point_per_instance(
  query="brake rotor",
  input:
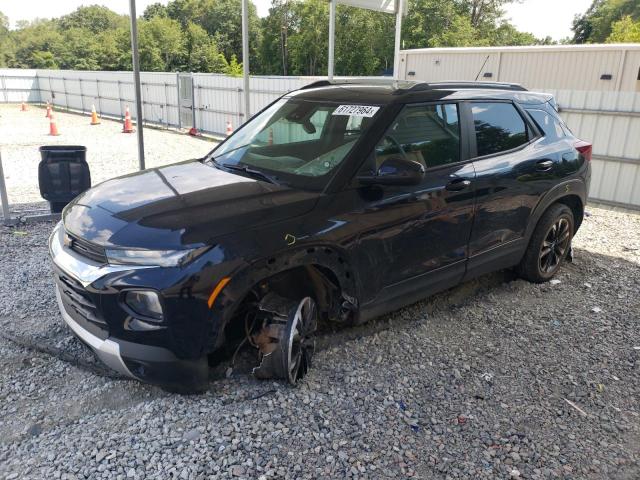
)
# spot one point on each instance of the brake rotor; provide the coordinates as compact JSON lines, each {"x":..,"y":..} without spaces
{"x":287,"y":339}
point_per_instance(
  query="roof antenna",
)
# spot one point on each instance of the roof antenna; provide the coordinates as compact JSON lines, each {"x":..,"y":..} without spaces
{"x":482,"y":68}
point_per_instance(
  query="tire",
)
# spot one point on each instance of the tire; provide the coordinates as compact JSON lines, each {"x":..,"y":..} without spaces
{"x":293,"y":341}
{"x":549,"y":245}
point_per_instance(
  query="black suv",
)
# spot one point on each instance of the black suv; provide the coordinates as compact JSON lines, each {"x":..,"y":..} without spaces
{"x":336,"y":203}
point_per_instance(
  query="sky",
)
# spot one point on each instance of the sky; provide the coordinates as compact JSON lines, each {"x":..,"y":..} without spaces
{"x":541,"y":17}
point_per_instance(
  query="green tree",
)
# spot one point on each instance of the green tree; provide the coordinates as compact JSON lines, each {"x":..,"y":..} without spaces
{"x":308,"y":47}
{"x":596,"y":25}
{"x":277,"y":27}
{"x":155,"y":10}
{"x":222,"y":20}
{"x":508,"y":35}
{"x":360,"y":34}
{"x":234,"y":68}
{"x":38,"y":44}
{"x":201,"y":52}
{"x":625,"y":31}
{"x":162,"y":38}
{"x":94,"y":18}
{"x":6,"y":44}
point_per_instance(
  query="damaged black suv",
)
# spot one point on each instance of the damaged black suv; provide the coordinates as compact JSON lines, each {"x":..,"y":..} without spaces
{"x":337,"y":202}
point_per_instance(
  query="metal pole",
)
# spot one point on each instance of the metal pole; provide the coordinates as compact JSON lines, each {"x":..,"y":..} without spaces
{"x":136,"y":80}
{"x":332,"y":38}
{"x":396,"y":54}
{"x":3,"y":196}
{"x":245,"y":58}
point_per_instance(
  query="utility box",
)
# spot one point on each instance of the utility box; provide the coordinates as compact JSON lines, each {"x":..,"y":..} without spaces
{"x":63,"y":174}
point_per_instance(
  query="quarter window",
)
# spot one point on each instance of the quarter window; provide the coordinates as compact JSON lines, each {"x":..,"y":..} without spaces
{"x":428,"y":134}
{"x":549,"y":124}
{"x":499,"y":127}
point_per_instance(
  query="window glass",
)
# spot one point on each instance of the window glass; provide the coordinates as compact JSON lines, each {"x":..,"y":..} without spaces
{"x":284,"y":130}
{"x":499,"y":127}
{"x":296,"y":142}
{"x":428,"y":134}
{"x":550,"y":125}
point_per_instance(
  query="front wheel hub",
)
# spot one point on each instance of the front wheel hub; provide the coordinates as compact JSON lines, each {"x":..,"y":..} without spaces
{"x":287,"y":339}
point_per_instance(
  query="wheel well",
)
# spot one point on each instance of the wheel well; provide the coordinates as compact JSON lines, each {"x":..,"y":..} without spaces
{"x":312,"y":280}
{"x":576,"y":206}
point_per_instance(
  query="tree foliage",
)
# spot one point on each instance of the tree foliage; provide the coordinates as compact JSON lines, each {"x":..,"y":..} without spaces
{"x":206,"y":36}
{"x":625,"y":31}
{"x":596,"y":25}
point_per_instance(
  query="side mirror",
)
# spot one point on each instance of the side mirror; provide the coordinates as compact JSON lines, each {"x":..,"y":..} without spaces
{"x":395,"y":171}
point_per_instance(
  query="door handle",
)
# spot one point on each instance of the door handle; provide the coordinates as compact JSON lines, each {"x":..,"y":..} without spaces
{"x":457,"y":184}
{"x":544,"y":165}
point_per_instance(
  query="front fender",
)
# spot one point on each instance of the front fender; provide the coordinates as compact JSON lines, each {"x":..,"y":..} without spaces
{"x":243,"y":280}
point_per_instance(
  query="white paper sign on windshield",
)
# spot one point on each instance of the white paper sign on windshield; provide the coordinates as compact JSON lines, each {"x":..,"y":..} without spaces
{"x":356,"y":110}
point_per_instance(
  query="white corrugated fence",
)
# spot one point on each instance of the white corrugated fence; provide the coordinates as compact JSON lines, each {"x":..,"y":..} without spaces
{"x":597,"y":88}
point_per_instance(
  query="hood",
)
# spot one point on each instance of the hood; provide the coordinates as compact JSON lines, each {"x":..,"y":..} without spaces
{"x":179,"y":206}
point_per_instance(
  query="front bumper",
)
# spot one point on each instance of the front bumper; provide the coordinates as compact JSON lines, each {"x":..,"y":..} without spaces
{"x":145,"y":362}
{"x":107,"y":350}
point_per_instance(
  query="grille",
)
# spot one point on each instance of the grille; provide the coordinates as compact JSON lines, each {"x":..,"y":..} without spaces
{"x":86,"y":249}
{"x":78,"y":303}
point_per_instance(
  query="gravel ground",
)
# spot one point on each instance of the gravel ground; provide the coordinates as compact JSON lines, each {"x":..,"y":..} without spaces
{"x":109,"y":151}
{"x":497,"y":378}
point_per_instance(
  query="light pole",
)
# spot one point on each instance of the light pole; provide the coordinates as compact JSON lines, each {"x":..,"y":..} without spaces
{"x":136,"y":80}
{"x":245,"y":58}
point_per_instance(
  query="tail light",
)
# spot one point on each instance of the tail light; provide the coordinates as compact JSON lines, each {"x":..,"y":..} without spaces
{"x":585,"y":149}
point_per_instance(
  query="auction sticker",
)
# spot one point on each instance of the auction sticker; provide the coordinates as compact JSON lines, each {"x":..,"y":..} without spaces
{"x":356,"y":110}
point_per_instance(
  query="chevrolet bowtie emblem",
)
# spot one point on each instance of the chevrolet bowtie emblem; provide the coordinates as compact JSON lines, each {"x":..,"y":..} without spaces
{"x":67,"y":241}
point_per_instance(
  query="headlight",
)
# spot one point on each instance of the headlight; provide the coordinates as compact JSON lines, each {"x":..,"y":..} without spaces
{"x":160,"y":258}
{"x":145,"y":303}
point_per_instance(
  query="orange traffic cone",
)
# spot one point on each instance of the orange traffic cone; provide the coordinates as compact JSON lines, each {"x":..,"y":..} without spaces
{"x":23,"y":107}
{"x":94,"y":116}
{"x":229,"y":128}
{"x":128,"y":127}
{"x":53,"y":128}
{"x":48,"y":115}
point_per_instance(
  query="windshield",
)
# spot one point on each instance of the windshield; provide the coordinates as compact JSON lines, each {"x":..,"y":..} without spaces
{"x":296,"y":142}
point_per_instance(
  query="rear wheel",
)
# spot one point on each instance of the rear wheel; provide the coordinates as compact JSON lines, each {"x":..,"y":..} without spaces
{"x":549,"y":245}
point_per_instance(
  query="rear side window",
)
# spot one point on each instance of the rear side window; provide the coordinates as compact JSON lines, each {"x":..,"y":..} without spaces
{"x":550,"y":125}
{"x":499,"y":127}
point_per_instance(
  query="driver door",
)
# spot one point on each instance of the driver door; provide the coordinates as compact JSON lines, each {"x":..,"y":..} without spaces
{"x":420,"y":232}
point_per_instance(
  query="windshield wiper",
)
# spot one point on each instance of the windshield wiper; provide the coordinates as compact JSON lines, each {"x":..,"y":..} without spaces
{"x":248,"y":170}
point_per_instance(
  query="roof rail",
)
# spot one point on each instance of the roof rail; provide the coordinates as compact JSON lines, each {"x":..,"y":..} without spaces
{"x":403,"y":86}
{"x":356,"y":81}
{"x":317,"y":83}
{"x":483,"y":85}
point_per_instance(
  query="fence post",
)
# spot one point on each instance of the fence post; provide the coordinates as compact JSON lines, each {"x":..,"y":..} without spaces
{"x":66,"y":97}
{"x":81,"y":94}
{"x":193,"y":102}
{"x":98,"y":94}
{"x":120,"y":98}
{"x":4,"y":89}
{"x":4,"y":200}
{"x":178,"y":98}
{"x":239,"y":107}
{"x":166,"y":108}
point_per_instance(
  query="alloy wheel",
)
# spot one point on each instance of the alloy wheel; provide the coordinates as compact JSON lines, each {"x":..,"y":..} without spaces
{"x":554,"y":246}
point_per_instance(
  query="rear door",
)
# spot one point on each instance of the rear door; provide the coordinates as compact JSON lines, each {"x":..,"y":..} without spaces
{"x":514,"y":168}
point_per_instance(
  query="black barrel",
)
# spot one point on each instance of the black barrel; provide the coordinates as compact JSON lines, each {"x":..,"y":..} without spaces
{"x":63,"y":174}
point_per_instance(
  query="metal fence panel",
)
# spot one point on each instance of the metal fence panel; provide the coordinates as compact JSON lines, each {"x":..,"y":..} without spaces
{"x":610,"y":119}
